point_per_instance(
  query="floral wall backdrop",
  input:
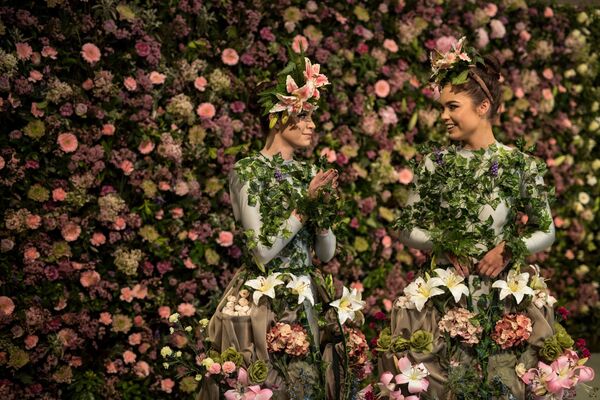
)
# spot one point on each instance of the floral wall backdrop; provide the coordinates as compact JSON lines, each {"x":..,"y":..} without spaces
{"x":121,"y":120}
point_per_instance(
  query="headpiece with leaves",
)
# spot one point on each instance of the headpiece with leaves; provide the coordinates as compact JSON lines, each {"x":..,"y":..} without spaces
{"x":457,"y":65}
{"x":288,"y":97}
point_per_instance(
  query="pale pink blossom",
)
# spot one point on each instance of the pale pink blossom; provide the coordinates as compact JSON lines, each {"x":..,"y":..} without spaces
{"x":390,"y":45}
{"x":35,"y":76}
{"x":230,"y":57}
{"x":387,"y":304}
{"x":127,"y":167}
{"x":388,"y":115}
{"x":164,"y":311}
{"x":98,"y":239}
{"x":135,"y":339}
{"x":186,"y":310}
{"x":90,"y":53}
{"x":105,"y":318}
{"x":498,"y":29}
{"x":141,"y":369}
{"x":59,"y":194}
{"x":130,"y":83}
{"x":382,"y":88}
{"x":167,"y":385}
{"x":108,"y":129}
{"x":490,"y":10}
{"x":70,"y":231}
{"x":200,"y":83}
{"x":206,"y":111}
{"x":89,"y":278}
{"x":31,"y":341}
{"x":405,"y":176}
{"x":548,"y":73}
{"x":189,"y":264}
{"x":328,"y":153}
{"x":119,"y":224}
{"x":24,"y":51}
{"x":386,"y":241}
{"x":214,"y":369}
{"x":444,"y":44}
{"x":482,"y":38}
{"x":129,"y":357}
{"x":229,"y":367}
{"x":67,"y":142}
{"x":548,"y":12}
{"x":157,"y":78}
{"x":524,"y":36}
{"x":48,"y":51}
{"x":225,"y":238}
{"x":6,"y":306}
{"x":299,"y":44}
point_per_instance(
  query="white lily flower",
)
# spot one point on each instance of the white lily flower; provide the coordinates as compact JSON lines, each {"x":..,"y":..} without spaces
{"x":515,"y":284}
{"x":264,"y":286}
{"x":301,"y":286}
{"x":452,"y":281}
{"x":420,"y":291}
{"x":348,"y":304}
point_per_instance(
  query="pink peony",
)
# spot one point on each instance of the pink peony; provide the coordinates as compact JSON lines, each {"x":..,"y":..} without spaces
{"x":299,"y":44}
{"x":157,"y":78}
{"x":200,"y":83}
{"x":186,"y":309}
{"x":6,"y":306}
{"x":89,"y":278}
{"x":98,"y":239}
{"x":382,"y":88}
{"x":225,"y":238}
{"x":90,"y":53}
{"x":31,"y":341}
{"x":390,"y":45}
{"x":230,"y":57}
{"x":214,"y":369}
{"x":167,"y":385}
{"x":24,"y":51}
{"x":229,"y":367}
{"x":59,"y":194}
{"x":108,"y":129}
{"x":130,"y":83}
{"x":67,"y":142}
{"x":206,"y":111}
{"x":129,"y":357}
{"x":164,"y":311}
{"x":141,"y":369}
{"x":70,"y":231}
{"x":405,"y":176}
{"x":146,"y":146}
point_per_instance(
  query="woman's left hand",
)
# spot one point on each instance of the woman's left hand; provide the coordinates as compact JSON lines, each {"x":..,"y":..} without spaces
{"x":493,"y":262}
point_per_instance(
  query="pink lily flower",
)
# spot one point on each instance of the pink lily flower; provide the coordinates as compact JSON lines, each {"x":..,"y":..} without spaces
{"x":415,"y":376}
{"x":297,"y":101}
{"x":256,"y":393}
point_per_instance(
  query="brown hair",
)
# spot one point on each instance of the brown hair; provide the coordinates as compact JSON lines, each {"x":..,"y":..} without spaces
{"x":489,"y":74}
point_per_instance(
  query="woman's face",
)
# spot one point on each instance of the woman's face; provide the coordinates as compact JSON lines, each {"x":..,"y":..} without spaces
{"x":461,"y":117}
{"x":300,"y":134}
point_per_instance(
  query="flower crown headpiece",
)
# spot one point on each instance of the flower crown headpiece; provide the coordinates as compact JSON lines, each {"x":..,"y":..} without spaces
{"x":457,"y":65}
{"x":288,"y":97}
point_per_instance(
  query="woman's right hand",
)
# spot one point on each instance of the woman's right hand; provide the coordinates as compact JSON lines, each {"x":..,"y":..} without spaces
{"x":463,"y":270}
{"x":321,"y":180}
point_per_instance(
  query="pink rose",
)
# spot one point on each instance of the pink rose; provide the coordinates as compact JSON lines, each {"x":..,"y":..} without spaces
{"x":214,"y":369}
{"x":164,"y":311}
{"x":90,"y":53}
{"x":142,"y":49}
{"x":129,"y":357}
{"x":405,"y":176}
{"x":388,"y":115}
{"x":35,"y":76}
{"x":186,"y":309}
{"x":105,"y":318}
{"x":386,"y":241}
{"x":48,"y":51}
{"x":127,"y":167}
{"x":71,"y":231}
{"x":390,"y":45}
{"x":229,"y":367}
{"x":548,"y":73}
{"x":141,"y":369}
{"x":67,"y":142}
{"x":31,"y":254}
{"x":135,"y":339}
{"x":119,"y":224}
{"x":31,"y":341}
{"x":225,"y":238}
{"x":24,"y":51}
{"x":98,"y":239}
{"x":59,"y":194}
{"x":490,"y":10}
{"x":230,"y":57}
{"x":146,"y":146}
{"x":130,"y":83}
{"x":157,"y":78}
{"x":88,"y":84}
{"x":387,"y":304}
{"x":547,"y":94}
{"x":206,"y":111}
{"x":299,"y":44}
{"x":189,"y":264}
{"x":167,"y":385}
{"x":108,"y":129}
{"x":33,"y":221}
{"x":126,"y":295}
{"x":382,"y":88}
{"x":525,"y":36}
{"x":200,"y":83}
{"x":548,"y":12}
{"x":89,"y":278}
{"x":6,"y":306}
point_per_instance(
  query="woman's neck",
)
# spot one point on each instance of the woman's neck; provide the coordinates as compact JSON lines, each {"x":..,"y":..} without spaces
{"x":480,"y":140}
{"x":275,"y":145}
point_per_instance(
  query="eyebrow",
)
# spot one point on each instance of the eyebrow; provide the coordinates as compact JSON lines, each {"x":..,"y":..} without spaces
{"x":450,"y":102}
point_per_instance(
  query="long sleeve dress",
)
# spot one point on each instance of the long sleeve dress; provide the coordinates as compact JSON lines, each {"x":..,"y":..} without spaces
{"x":289,"y":251}
{"x":492,"y":214}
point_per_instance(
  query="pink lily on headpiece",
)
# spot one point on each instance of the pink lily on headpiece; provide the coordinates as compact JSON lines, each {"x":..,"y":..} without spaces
{"x":298,"y":99}
{"x":312,"y":73}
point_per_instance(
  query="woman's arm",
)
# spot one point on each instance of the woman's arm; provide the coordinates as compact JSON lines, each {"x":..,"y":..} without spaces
{"x":416,"y":238}
{"x":325,"y":245}
{"x":541,"y":240}
{"x":250,"y":218}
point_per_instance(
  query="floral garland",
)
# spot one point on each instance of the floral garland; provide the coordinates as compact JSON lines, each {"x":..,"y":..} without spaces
{"x":452,"y":188}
